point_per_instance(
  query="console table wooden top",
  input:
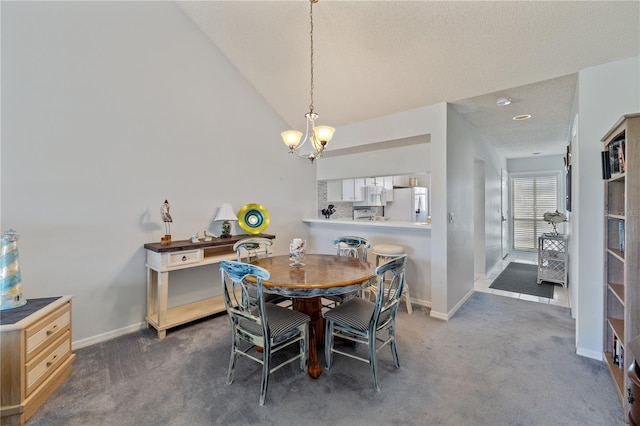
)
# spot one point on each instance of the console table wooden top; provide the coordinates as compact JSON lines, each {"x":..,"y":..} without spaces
{"x":181,"y":245}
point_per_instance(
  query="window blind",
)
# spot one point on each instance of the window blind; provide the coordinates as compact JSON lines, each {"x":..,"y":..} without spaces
{"x":532,"y":196}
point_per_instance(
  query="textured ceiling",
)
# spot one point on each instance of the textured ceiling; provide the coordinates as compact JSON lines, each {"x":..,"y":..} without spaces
{"x":374,"y":58}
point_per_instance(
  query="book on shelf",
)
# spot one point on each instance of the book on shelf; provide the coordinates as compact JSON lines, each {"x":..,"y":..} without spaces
{"x":606,"y":165}
{"x":617,"y":351}
{"x":616,"y":156}
{"x":621,"y":235}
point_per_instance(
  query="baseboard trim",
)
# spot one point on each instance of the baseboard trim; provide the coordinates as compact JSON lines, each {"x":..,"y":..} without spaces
{"x":598,"y":356}
{"x":420,"y":302}
{"x":99,"y":338}
{"x":495,"y":268}
{"x":447,"y":316}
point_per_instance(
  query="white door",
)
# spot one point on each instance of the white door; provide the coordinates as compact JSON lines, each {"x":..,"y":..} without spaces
{"x":504,"y":207}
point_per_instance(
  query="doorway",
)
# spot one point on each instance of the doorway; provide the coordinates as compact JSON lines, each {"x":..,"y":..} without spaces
{"x":504,"y":212}
{"x":479,"y":208}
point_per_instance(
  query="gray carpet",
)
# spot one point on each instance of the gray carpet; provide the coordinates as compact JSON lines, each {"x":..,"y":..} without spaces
{"x":522,"y":278}
{"x":498,"y":361}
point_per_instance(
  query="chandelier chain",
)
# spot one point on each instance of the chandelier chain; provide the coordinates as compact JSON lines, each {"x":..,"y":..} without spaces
{"x":318,"y":136}
{"x":311,"y":38}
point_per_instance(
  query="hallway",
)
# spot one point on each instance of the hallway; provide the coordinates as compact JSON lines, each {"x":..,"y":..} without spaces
{"x":560,"y":296}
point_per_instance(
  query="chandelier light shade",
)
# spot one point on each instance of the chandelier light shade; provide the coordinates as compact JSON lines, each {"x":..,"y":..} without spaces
{"x":318,"y":136}
{"x":291,"y":138}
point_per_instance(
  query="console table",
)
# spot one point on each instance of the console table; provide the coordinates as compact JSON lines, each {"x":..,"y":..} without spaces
{"x":162,"y":259}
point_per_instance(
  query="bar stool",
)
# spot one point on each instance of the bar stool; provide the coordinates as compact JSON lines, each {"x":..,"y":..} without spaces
{"x":384,"y":253}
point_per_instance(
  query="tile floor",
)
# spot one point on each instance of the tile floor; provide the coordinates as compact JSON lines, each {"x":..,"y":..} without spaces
{"x":560,"y":296}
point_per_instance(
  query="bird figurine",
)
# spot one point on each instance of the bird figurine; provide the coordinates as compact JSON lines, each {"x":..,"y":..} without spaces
{"x":195,"y":238}
{"x":208,"y":236}
{"x":328,"y":211}
{"x":166,"y":216}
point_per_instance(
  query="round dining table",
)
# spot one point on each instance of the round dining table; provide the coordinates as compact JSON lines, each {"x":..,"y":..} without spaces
{"x":321,"y":275}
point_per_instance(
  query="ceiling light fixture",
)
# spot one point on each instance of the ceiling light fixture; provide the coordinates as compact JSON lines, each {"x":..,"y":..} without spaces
{"x":320,"y":135}
{"x":522,"y":117}
{"x":503,"y":101}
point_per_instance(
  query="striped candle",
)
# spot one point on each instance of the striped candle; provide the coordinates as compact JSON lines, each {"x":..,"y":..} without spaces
{"x":10,"y":277}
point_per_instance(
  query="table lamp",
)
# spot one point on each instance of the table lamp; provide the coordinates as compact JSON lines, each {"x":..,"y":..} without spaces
{"x":225,"y":214}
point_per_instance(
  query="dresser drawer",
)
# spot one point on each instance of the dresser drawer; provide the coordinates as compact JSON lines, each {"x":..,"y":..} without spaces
{"x":46,"y":362}
{"x":48,"y":329}
{"x":184,"y":258}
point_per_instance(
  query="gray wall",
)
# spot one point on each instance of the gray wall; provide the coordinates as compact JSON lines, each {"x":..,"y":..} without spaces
{"x":605,"y":93}
{"x":108,"y":108}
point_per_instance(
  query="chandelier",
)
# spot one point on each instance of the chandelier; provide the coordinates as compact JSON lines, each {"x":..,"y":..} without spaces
{"x":320,"y":135}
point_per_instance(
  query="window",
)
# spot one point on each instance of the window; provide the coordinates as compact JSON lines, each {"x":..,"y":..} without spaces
{"x":532,"y":196}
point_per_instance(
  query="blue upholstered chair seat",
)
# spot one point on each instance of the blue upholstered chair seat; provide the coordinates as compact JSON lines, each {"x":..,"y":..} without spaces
{"x":356,"y":313}
{"x":281,"y":321}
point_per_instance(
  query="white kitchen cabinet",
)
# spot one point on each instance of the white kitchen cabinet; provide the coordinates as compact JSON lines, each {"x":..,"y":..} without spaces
{"x":388,"y":186}
{"x":348,"y":192}
{"x":401,"y":181}
{"x":334,"y":190}
{"x":352,"y":189}
{"x":358,"y":184}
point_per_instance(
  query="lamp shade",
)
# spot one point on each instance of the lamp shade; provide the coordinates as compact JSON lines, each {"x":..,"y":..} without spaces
{"x":291,"y":138}
{"x":323,"y":133}
{"x":225,"y":212}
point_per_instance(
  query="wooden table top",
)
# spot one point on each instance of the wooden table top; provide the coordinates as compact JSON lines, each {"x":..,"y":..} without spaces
{"x":322,"y":274}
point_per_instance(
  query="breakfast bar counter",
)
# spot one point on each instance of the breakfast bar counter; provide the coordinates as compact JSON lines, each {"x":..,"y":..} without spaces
{"x":414,"y":237}
{"x":371,"y":223}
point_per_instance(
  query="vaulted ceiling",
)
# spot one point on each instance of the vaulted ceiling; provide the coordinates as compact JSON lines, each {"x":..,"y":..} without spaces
{"x":374,"y":58}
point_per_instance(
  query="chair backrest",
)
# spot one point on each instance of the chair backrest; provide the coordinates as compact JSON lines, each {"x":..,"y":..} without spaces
{"x":244,"y":310}
{"x":250,"y":249}
{"x":352,"y":246}
{"x":390,"y":282}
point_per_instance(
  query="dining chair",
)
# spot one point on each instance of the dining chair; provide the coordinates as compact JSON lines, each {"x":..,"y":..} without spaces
{"x":351,"y":246}
{"x":362,"y":321}
{"x":265,"y":325}
{"x":249,"y":249}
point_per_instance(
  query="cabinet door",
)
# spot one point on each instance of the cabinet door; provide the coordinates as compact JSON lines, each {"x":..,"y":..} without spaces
{"x":401,"y":181}
{"x":348,"y":193}
{"x":358,"y":185}
{"x":334,"y":190}
{"x":370,"y":181}
{"x":388,"y":186}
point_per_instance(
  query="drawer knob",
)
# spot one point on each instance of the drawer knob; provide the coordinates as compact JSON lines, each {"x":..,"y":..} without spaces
{"x":184,"y":258}
{"x":53,"y":360}
{"x":52,"y":330}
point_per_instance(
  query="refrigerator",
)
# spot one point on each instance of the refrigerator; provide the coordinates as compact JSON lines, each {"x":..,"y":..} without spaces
{"x":408,"y":205}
